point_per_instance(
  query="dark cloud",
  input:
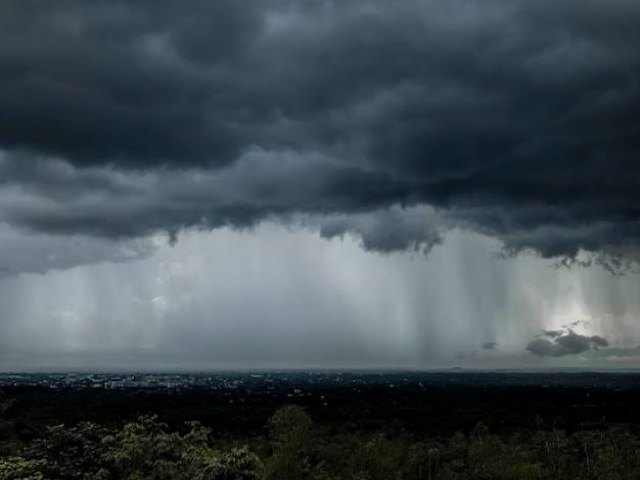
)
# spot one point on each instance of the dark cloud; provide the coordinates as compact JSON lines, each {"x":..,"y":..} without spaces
{"x":516,"y":119}
{"x":386,"y":230}
{"x":566,"y":342}
{"x":552,"y":333}
{"x":25,"y":252}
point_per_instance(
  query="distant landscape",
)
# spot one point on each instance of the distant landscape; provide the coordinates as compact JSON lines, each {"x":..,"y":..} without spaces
{"x":320,"y":240}
{"x":321,"y":425}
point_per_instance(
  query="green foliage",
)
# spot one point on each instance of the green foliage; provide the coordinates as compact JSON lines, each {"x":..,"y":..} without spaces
{"x":290,"y":435}
{"x":290,"y":428}
{"x":18,"y":468}
{"x":378,"y":459}
{"x":5,"y":403}
{"x":69,"y":452}
{"x":236,"y":464}
{"x":146,"y":450}
{"x":7,"y":433}
{"x":491,"y":458}
{"x":296,"y":449}
{"x":422,"y":461}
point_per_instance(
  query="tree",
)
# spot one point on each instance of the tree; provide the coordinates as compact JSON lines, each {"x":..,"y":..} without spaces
{"x":145,"y":450}
{"x":69,"y":452}
{"x":290,"y":435}
{"x":378,"y":459}
{"x":236,"y":464}
{"x":18,"y":468}
{"x":7,"y":432}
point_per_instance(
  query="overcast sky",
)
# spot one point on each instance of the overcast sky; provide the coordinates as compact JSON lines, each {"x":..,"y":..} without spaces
{"x":316,"y":183}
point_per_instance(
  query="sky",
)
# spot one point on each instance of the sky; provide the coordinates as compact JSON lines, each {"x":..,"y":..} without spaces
{"x":319,"y":184}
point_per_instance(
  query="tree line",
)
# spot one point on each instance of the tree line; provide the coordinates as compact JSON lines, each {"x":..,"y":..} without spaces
{"x":293,"y":447}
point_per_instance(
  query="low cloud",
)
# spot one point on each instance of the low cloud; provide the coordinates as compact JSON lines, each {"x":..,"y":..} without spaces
{"x":562,"y":343}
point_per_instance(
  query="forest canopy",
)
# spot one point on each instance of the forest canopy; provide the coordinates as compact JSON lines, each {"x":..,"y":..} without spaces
{"x":292,"y":446}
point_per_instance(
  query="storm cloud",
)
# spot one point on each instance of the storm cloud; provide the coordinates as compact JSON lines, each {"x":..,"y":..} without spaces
{"x":556,"y":344}
{"x":395,"y":122}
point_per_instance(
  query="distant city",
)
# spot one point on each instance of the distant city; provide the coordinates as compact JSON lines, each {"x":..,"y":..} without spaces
{"x":301,"y":383}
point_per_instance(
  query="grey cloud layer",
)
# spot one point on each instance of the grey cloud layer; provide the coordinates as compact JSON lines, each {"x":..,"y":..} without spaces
{"x":517,"y":119}
{"x":52,"y":196}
